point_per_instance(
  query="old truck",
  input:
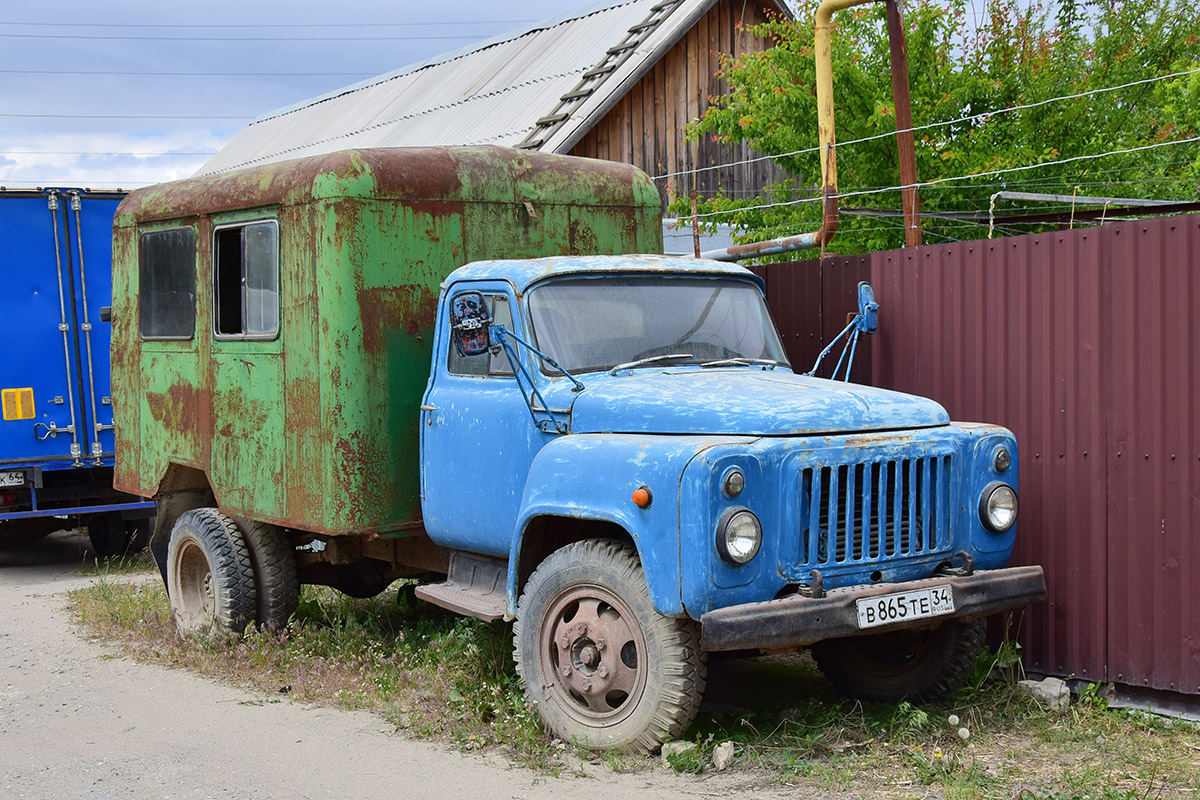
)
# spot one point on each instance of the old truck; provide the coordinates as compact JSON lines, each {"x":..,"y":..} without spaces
{"x":56,"y":439}
{"x":450,"y":364}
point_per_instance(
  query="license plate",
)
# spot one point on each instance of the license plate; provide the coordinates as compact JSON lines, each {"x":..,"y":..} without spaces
{"x":12,"y":478}
{"x":887,"y":609}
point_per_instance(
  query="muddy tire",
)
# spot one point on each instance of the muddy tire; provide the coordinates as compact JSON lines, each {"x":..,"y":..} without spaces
{"x":917,"y":666}
{"x":276,"y":581}
{"x":600,"y":666}
{"x":210,"y":580}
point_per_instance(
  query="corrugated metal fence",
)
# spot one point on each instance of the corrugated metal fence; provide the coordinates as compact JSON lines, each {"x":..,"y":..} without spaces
{"x":1084,"y":343}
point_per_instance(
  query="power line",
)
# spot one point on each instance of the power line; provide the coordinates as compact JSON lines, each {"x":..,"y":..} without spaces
{"x":980,"y":115}
{"x":936,"y":181}
{"x":190,"y":74}
{"x":98,"y":153}
{"x":268,"y":25}
{"x":126,"y":116}
{"x":231,"y":38}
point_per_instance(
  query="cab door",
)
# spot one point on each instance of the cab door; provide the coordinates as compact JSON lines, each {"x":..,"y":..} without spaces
{"x":477,"y":437}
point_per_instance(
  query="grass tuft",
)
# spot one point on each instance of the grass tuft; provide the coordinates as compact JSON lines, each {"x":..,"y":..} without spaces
{"x":449,"y":678}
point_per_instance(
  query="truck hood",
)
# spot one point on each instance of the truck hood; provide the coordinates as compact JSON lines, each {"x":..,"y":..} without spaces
{"x":743,"y":401}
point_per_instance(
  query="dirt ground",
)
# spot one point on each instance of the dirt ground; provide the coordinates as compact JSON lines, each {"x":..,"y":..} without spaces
{"x":77,"y":720}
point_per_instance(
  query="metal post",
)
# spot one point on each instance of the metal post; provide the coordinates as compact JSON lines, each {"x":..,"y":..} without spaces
{"x":97,"y":450}
{"x":76,"y":450}
{"x":695,"y":220}
{"x":905,"y":144}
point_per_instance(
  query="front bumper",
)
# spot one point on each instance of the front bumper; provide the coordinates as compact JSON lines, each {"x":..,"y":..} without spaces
{"x":798,"y":620}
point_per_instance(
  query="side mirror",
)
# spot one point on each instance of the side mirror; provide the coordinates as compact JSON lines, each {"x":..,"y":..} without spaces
{"x":469,"y":323}
{"x":106,"y":313}
{"x":868,"y":309}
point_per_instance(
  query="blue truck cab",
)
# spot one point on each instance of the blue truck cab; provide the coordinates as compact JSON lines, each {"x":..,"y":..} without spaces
{"x":619,"y":457}
{"x":56,"y":434}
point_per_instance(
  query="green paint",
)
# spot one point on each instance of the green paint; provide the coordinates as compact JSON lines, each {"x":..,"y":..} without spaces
{"x":318,"y":429}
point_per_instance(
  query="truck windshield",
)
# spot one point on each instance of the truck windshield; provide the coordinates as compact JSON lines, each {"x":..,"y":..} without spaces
{"x":598,"y":323}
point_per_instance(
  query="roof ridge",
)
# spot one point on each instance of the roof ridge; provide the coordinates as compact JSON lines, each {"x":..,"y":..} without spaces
{"x":454,"y":55}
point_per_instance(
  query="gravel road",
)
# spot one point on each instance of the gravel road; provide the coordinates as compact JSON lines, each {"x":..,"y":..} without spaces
{"x":78,"y":720}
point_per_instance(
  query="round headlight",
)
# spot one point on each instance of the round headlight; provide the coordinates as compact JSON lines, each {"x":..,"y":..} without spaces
{"x":739,"y":535}
{"x":1001,"y":459}
{"x":998,"y":507}
{"x":735,"y":481}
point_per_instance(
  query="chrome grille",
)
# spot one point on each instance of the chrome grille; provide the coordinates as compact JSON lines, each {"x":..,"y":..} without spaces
{"x":852,"y":513}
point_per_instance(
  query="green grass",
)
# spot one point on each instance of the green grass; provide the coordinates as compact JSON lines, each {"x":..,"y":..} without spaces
{"x":451,"y":679}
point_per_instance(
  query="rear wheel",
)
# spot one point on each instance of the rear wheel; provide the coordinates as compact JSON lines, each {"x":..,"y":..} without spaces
{"x":210,"y":580}
{"x":276,"y":583}
{"x":599,"y":664}
{"x":914,"y":665}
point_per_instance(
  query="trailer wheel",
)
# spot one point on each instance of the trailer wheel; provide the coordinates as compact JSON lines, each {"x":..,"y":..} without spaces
{"x":914,"y":665}
{"x":210,"y":580}
{"x":112,"y":536}
{"x":276,"y":581}
{"x":106,"y":532}
{"x":599,"y":665}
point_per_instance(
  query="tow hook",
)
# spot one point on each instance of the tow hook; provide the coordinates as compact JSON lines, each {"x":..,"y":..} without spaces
{"x":948,"y":569}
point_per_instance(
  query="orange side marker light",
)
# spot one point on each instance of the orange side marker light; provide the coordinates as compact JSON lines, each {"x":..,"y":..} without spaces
{"x":642,"y":497}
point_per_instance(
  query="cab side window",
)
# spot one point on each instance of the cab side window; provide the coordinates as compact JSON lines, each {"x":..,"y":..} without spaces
{"x":167,"y":284}
{"x":246,"y":281}
{"x":495,"y":362}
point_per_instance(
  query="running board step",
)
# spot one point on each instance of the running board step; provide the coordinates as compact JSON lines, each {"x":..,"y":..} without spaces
{"x":475,"y":587}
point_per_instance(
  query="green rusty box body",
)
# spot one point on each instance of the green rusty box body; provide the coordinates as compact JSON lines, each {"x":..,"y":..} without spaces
{"x":317,"y":429}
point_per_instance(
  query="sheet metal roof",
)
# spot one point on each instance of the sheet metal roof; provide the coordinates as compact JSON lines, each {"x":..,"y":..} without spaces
{"x":490,"y":93}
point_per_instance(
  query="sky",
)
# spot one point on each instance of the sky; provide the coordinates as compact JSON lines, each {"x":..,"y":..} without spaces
{"x":128,"y":93}
{"x":125,"y":93}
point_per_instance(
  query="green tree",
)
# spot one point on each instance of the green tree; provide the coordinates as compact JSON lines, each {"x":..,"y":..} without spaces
{"x":1020,"y":55}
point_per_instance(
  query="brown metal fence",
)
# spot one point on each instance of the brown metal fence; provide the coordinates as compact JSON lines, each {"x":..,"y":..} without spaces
{"x":1084,"y":343}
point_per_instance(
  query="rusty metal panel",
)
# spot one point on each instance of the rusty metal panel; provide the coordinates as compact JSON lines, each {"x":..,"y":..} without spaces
{"x":1007,"y":331}
{"x":1153,"y":452}
{"x":317,"y":429}
{"x":1084,"y":344}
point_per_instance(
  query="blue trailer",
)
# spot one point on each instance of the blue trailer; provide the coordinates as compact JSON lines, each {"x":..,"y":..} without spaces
{"x":56,"y":436}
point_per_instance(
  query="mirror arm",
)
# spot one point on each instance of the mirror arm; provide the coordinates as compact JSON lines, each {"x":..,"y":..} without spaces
{"x":865,"y":321}
{"x":503,"y":336}
{"x":503,"y":333}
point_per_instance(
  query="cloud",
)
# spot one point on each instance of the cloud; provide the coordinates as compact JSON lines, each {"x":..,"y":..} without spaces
{"x":103,"y":160}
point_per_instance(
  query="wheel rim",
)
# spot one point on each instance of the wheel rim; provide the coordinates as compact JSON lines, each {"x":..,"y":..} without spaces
{"x":593,"y":655}
{"x":195,"y":606}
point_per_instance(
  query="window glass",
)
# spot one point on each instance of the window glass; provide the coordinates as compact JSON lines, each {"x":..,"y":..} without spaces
{"x":598,"y":323}
{"x":167,"y":284}
{"x":246,"y":280}
{"x":496,"y":362}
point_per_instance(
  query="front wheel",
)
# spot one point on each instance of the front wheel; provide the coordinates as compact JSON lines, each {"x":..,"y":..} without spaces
{"x":600,"y":665}
{"x":914,"y":665}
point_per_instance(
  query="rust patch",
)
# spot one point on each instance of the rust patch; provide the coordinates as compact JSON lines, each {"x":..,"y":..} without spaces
{"x":177,"y":409}
{"x":412,"y":309}
{"x":364,"y":472}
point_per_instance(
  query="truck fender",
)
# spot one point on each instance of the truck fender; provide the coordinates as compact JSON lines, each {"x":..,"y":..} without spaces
{"x":589,"y":480}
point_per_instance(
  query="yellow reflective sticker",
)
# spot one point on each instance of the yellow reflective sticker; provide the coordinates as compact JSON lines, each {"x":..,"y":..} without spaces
{"x":18,"y":403}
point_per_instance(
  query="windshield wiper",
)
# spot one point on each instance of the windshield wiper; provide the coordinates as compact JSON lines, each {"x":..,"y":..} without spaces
{"x":743,"y":362}
{"x":648,"y":360}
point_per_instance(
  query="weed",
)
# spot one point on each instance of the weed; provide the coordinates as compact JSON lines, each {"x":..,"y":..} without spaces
{"x":444,"y":677}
